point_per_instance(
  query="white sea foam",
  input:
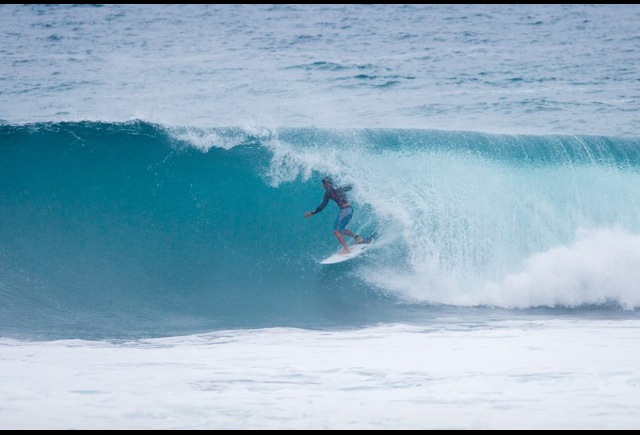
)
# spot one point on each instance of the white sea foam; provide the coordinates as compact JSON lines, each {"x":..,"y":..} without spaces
{"x":517,"y":374}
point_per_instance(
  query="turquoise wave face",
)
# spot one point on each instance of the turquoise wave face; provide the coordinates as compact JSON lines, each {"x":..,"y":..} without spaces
{"x":125,"y":227}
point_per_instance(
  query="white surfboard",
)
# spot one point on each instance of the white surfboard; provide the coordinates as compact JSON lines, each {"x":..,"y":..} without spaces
{"x":356,"y":249}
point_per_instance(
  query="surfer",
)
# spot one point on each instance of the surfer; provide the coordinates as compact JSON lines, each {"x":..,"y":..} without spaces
{"x":344,"y":216}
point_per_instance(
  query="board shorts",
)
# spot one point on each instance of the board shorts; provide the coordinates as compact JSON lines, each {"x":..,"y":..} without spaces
{"x":343,"y":219}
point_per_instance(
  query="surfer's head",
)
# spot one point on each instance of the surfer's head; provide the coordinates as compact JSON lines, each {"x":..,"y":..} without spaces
{"x":327,"y":181}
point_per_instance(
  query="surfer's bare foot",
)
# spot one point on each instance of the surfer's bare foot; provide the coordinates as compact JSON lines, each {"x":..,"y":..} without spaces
{"x":344,"y":252}
{"x":359,"y":240}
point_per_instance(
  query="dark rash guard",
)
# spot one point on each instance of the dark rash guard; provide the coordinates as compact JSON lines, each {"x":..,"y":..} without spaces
{"x":337,"y":194}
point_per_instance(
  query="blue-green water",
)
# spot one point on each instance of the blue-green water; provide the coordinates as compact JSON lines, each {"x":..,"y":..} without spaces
{"x":135,"y":228}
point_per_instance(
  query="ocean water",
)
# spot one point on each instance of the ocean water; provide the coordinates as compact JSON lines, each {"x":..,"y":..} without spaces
{"x":157,"y":271}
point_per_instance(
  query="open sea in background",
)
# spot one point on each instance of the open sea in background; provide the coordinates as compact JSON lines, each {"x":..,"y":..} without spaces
{"x":157,"y":271}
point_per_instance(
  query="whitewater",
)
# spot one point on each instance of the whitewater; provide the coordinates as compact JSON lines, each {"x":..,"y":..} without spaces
{"x":157,"y":271}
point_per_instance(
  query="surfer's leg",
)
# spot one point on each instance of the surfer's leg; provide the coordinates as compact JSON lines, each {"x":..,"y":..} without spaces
{"x":342,"y":241}
{"x":353,"y":235}
{"x":339,"y":227}
{"x":345,"y":216}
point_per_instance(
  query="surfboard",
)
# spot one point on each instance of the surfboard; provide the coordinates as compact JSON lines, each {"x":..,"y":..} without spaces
{"x":356,"y":249}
